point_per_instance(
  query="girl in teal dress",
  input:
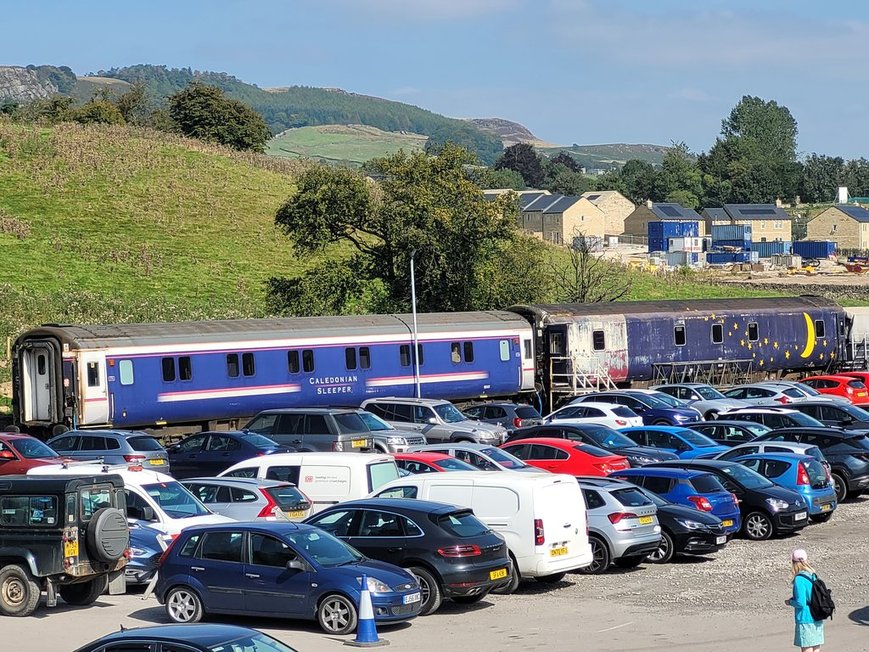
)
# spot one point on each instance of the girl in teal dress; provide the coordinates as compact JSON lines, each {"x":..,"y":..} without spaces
{"x":808,"y":633}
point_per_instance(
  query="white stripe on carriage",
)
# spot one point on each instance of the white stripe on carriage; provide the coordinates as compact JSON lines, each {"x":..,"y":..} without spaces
{"x":175,"y":397}
{"x":425,"y":380}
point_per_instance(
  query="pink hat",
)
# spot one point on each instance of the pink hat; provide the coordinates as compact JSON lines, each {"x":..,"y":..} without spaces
{"x":799,"y":555}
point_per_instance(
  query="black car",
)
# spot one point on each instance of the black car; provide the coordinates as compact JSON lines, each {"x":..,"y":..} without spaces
{"x":600,"y":436}
{"x":846,"y":451}
{"x":766,"y":508}
{"x":842,"y":415}
{"x":448,"y":549}
{"x":729,"y":433}
{"x":186,"y":638}
{"x":510,"y":415}
{"x":209,"y":453}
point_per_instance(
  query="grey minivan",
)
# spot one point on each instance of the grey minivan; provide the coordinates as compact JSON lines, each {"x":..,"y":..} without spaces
{"x":437,"y":420}
{"x":314,"y":429}
{"x":113,"y":447}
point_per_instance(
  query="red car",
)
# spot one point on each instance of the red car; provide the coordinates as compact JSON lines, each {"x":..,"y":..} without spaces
{"x":845,"y":386}
{"x":18,"y":453}
{"x":430,"y":463}
{"x":566,"y":456}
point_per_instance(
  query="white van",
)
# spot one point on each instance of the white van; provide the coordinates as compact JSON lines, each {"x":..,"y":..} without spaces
{"x":153,"y":499}
{"x":541,"y":516}
{"x":325,"y":478}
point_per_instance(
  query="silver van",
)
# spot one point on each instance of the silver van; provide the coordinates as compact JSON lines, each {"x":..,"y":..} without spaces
{"x":437,"y":420}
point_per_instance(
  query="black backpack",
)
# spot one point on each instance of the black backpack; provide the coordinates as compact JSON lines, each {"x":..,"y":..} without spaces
{"x":821,"y":603}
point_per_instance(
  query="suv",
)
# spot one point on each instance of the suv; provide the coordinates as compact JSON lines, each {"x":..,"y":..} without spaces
{"x":509,"y":415}
{"x":61,"y":535}
{"x":842,"y":415}
{"x":652,"y":409}
{"x":388,"y":439}
{"x":438,"y":420}
{"x":705,"y":398}
{"x":314,"y":429}
{"x":113,"y":447}
{"x":772,"y":417}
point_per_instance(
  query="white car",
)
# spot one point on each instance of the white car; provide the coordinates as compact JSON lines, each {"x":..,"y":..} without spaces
{"x":808,"y":393}
{"x":705,"y":398}
{"x":605,"y":414}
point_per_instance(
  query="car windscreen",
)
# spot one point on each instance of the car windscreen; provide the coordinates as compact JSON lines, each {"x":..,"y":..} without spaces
{"x":350,"y":423}
{"x":462,"y":524}
{"x":655,"y":498}
{"x":805,"y":420}
{"x":630,"y":497}
{"x":174,"y":499}
{"x":706,"y":484}
{"x":144,"y":444}
{"x":746,"y":477}
{"x":325,"y":549}
{"x":449,"y":413}
{"x":608,"y":438}
{"x":695,"y":438}
{"x":259,"y":441}
{"x":503,"y":458}
{"x":256,"y":642}
{"x":594,"y":451}
{"x":671,"y":401}
{"x":856,"y":413}
{"x":858,"y":441}
{"x":527,"y":412}
{"x":380,"y":473}
{"x":650,"y":400}
{"x":755,"y":428}
{"x":452,"y":464}
{"x":287,"y":497}
{"x":708,"y":393}
{"x":32,"y":448}
{"x":374,"y":422}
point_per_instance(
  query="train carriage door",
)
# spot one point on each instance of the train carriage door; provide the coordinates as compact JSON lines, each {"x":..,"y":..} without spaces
{"x":94,"y":403}
{"x":527,"y":377}
{"x":39,"y":381}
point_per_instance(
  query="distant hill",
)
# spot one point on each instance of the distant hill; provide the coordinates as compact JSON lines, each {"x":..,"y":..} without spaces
{"x":347,"y":144}
{"x":610,"y":155}
{"x":509,"y":132}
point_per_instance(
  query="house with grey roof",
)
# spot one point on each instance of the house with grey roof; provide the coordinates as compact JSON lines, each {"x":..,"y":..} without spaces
{"x":768,"y":221}
{"x":637,"y":223}
{"x":557,"y":218}
{"x":845,"y":224}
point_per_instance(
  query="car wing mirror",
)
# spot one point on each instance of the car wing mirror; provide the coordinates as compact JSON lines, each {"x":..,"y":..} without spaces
{"x":296,"y":564}
{"x":432,"y":421}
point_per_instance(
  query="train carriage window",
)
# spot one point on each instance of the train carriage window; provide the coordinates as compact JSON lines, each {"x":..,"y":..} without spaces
{"x":679,"y":335}
{"x":308,"y":360}
{"x":248,"y":368}
{"x":404,"y":355}
{"x":232,"y":365}
{"x":527,"y":349}
{"x":556,"y":343}
{"x":717,"y":334}
{"x":350,"y":358}
{"x":469,"y":351}
{"x":419,"y":354}
{"x":364,"y":357}
{"x":598,"y":341}
{"x":504,"y":347}
{"x":820,"y":330}
{"x":93,"y":370}
{"x":752,"y":332}
{"x":125,"y":372}
{"x":40,"y":365}
{"x":841,"y":329}
{"x":455,"y":352}
{"x":293,"y":362}
{"x":185,"y":370}
{"x":168,"y":369}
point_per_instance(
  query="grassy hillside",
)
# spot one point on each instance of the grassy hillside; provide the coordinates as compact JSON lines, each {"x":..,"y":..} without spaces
{"x":352,"y":144}
{"x":603,"y":156}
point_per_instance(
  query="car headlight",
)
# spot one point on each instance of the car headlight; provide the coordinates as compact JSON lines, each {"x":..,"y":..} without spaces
{"x":138,"y":552}
{"x":398,"y":441}
{"x":640,"y":459}
{"x":689,"y":524}
{"x":684,"y":417}
{"x":375,"y":585}
{"x":776,"y":504}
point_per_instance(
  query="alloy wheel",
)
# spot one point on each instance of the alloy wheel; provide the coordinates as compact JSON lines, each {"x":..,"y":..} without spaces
{"x":336,"y":615}
{"x":662,"y":551}
{"x":757,"y":527}
{"x":182,"y":606}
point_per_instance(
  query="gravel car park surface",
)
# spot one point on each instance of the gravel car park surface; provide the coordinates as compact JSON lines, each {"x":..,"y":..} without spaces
{"x":732,"y":601}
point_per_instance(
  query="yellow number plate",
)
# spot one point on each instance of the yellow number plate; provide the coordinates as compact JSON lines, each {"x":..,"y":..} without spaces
{"x":558,"y":552}
{"x":646,"y":520}
{"x":825,"y":508}
{"x":70,"y":549}
{"x":297,"y":514}
{"x":157,"y":462}
{"x":358,"y":443}
{"x":498,"y":574}
{"x":727,"y":523}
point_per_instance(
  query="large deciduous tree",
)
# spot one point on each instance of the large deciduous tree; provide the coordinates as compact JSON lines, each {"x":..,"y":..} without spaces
{"x":527,"y":162}
{"x":680,"y":180}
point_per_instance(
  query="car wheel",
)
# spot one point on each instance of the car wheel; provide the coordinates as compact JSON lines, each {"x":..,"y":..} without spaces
{"x":432,"y":596}
{"x":19,"y":594}
{"x":630,"y":561}
{"x":513,"y":584}
{"x":600,"y":557}
{"x":665,"y":550}
{"x":711,"y":415}
{"x":84,"y":593}
{"x":183,"y":605}
{"x":757,"y":526}
{"x":821,"y":518}
{"x":469,"y":599}
{"x":661,"y":422}
{"x":840,"y":486}
{"x":551,"y":579}
{"x":337,"y":614}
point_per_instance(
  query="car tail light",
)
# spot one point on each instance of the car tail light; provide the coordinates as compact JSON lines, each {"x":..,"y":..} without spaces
{"x":454,"y":552}
{"x":134,"y":458}
{"x":735,"y":499}
{"x":620,"y":516}
{"x":517,"y":422}
{"x":701,"y":503}
{"x":165,"y":554}
{"x":271,"y":505}
{"x":783,"y":400}
{"x":802,"y":475}
{"x":604,"y":468}
{"x":539,"y":539}
{"x":621,"y":422}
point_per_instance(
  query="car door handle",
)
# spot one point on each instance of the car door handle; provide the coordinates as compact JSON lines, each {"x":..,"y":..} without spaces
{"x":197,"y":568}
{"x":253,"y":576}
{"x":393,"y":550}
{"x":226,"y":455}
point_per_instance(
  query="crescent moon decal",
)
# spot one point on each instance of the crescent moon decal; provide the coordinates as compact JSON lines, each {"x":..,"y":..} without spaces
{"x":810,"y":336}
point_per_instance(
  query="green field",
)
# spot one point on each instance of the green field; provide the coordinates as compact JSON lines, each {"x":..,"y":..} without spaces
{"x":353,"y":144}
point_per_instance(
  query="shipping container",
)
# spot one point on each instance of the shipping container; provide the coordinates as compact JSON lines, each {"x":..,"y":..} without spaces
{"x":814,"y":248}
{"x":768,"y":249}
{"x":726,"y":257}
{"x":681,"y":258}
{"x":694,"y":245}
{"x":732,"y":244}
{"x":673,"y":229}
{"x":731,"y":232}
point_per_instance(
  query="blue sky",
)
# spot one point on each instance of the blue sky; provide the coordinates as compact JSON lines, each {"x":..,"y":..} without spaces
{"x":572,"y":71}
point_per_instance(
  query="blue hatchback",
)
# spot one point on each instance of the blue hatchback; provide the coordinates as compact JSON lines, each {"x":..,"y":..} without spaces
{"x":801,"y":473}
{"x":698,"y":489}
{"x":279,"y":570}
{"x":684,"y":442}
{"x":209,"y":453}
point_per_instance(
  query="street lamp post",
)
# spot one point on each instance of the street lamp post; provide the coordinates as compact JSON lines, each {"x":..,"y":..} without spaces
{"x":415,"y":331}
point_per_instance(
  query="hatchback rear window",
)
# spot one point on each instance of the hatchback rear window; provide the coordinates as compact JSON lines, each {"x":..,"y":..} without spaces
{"x":462,"y":524}
{"x":631,"y":497}
{"x":350,"y":423}
{"x":857,"y":384}
{"x":594,"y":451}
{"x":380,"y":473}
{"x":287,"y":498}
{"x":527,"y":412}
{"x":622,"y":411}
{"x":706,"y":484}
{"x":144,"y":444}
{"x":817,"y":474}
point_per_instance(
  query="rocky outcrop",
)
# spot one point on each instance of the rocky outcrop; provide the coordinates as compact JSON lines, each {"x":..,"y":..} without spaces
{"x":23,"y":85}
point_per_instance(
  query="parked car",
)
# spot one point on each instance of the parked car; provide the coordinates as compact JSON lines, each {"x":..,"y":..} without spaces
{"x":704,"y":398}
{"x":388,"y":439}
{"x":63,"y":535}
{"x":600,"y":436}
{"x":450,"y":552}
{"x":781,"y":447}
{"x":842,"y":415}
{"x":314,"y":429}
{"x":698,"y":489}
{"x":189,"y":638}
{"x":846,"y":387}
{"x":325,"y":478}
{"x":509,"y":415}
{"x":808,"y":393}
{"x":146,"y":547}
{"x":682,"y":442}
{"x":653,"y":410}
{"x":113,"y":447}
{"x":611,"y":415}
{"x":622,"y":524}
{"x":480,"y":456}
{"x":250,"y":499}
{"x":729,"y":433}
{"x":423,"y":462}
{"x":279,"y":570}
{"x":762,"y":394}
{"x":800,"y":473}
{"x":766,"y":508}
{"x":859,"y":375}
{"x":566,"y":456}
{"x":20,"y":453}
{"x":846,"y":451}
{"x":209,"y":453}
{"x":772,"y":417}
{"x":439,"y":421}
{"x":540,"y":515}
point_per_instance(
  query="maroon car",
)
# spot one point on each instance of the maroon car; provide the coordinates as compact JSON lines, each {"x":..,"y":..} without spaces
{"x":19,"y":453}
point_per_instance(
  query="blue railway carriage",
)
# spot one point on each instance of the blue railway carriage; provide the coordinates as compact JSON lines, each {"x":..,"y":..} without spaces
{"x":214,"y":372}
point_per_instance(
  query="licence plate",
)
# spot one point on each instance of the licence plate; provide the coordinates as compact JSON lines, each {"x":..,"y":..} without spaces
{"x":825,"y":508}
{"x":297,"y":514}
{"x":412,"y":597}
{"x":70,"y":549}
{"x":646,"y":520}
{"x":720,"y":540}
{"x":800,"y":516}
{"x":358,"y":443}
{"x":558,"y":552}
{"x":498,"y":574}
{"x":727,"y":523}
{"x":158,"y":462}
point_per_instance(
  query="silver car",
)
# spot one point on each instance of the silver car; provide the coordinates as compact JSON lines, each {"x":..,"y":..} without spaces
{"x":623,"y":524}
{"x":437,"y":420}
{"x":481,"y":456}
{"x":765,"y":394}
{"x":251,"y":499}
{"x":705,"y":398}
{"x":808,"y":393}
{"x":388,"y":439}
{"x":113,"y":447}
